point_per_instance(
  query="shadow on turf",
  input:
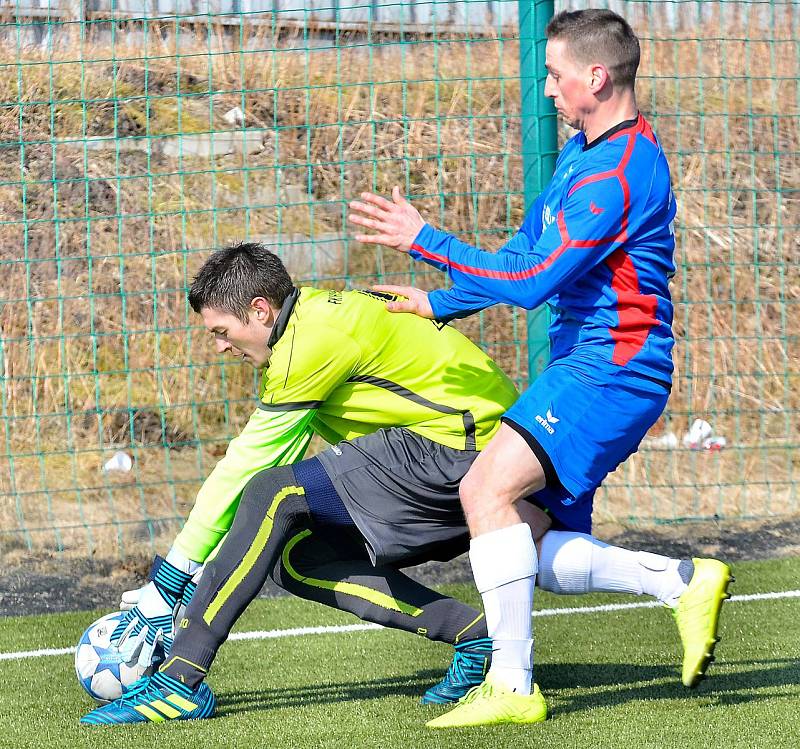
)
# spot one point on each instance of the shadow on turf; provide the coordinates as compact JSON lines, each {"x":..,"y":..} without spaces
{"x":626,"y":682}
{"x":413,"y":685}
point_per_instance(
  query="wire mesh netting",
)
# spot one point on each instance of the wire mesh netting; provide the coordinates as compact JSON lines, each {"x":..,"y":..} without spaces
{"x":135,"y":139}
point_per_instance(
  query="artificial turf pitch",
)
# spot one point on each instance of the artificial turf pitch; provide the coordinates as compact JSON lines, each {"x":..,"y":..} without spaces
{"x":611,"y":678}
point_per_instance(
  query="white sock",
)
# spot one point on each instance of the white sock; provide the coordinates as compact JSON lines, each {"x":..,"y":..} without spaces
{"x":579,"y":563}
{"x":504,"y":565}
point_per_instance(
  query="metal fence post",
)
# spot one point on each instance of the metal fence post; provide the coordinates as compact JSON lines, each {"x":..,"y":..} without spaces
{"x":539,"y":145}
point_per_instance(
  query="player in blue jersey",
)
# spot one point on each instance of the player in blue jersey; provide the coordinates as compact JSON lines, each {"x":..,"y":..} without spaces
{"x":597,"y":247}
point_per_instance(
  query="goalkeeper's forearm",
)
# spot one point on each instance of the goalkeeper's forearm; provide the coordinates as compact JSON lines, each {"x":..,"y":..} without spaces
{"x":269,"y":439}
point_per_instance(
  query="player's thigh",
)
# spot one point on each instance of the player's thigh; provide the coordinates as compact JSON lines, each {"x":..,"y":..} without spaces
{"x":504,"y":472}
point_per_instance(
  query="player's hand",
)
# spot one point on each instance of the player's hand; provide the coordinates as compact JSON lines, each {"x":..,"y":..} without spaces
{"x":415,"y":302}
{"x":395,"y":222}
{"x":148,"y":621}
{"x":151,"y":618}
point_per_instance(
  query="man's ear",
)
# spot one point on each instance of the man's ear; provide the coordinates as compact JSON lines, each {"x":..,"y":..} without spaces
{"x":263,"y":310}
{"x":599,"y":78}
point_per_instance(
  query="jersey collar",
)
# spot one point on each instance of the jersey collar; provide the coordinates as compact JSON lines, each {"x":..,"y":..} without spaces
{"x":612,"y":131}
{"x":283,"y":317}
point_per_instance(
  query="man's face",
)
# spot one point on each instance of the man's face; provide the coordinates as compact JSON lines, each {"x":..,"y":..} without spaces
{"x":568,"y":84}
{"x":248,"y":342}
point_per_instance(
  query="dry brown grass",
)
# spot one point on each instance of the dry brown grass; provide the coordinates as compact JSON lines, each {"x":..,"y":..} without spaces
{"x":96,"y":249}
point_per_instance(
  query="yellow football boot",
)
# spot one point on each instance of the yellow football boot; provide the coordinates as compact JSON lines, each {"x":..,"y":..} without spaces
{"x":490,"y":704}
{"x":697,"y":616}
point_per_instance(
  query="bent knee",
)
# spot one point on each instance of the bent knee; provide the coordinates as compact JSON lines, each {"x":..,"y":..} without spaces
{"x":266,"y":484}
{"x":470,"y":492}
{"x":480,"y":497}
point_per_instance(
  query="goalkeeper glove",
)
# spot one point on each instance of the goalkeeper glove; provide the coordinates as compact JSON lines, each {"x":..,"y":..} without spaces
{"x":149,"y":622}
{"x":130,"y":598}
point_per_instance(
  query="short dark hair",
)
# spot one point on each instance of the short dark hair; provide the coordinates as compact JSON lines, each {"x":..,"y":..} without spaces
{"x":232,"y":277}
{"x":596,"y":35}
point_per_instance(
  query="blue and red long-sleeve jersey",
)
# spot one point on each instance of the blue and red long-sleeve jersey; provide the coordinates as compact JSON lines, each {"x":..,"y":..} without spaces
{"x":597,"y":246}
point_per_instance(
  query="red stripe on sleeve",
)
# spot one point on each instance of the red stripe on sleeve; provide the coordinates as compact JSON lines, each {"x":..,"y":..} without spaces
{"x":503,"y":275}
{"x":618,"y":173}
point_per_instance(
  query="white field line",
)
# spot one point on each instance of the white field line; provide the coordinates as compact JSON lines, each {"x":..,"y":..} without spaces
{"x":302,"y":631}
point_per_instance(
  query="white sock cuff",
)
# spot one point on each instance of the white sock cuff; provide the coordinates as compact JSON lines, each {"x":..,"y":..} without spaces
{"x":503,"y":556}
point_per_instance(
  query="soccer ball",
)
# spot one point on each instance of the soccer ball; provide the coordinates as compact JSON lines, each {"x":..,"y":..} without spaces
{"x":103,"y":670}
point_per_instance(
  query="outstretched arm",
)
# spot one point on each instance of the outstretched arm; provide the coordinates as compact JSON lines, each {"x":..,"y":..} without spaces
{"x":538,"y":261}
{"x":269,"y":439}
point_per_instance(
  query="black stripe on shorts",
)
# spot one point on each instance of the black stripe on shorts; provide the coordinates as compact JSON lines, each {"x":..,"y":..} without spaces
{"x":550,"y":475}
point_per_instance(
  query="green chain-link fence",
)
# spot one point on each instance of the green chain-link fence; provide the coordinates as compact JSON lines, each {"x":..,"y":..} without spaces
{"x":133,"y":142}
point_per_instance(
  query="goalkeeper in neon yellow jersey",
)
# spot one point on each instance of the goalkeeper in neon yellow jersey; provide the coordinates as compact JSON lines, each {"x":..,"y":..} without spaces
{"x":406,"y":404}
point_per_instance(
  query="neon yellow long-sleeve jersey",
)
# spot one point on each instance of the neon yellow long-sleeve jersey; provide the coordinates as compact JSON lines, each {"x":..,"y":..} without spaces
{"x":342,"y":366}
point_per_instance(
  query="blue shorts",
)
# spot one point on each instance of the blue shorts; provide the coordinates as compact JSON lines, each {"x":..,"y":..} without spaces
{"x":581,"y":422}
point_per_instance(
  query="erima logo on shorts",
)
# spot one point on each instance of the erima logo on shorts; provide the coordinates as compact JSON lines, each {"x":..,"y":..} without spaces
{"x":547,"y":422}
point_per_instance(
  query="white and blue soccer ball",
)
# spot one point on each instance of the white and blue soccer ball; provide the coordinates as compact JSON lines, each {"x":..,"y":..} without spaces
{"x":103,"y":670}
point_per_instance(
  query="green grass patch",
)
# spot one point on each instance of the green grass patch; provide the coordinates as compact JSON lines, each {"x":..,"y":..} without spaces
{"x":611,"y":680}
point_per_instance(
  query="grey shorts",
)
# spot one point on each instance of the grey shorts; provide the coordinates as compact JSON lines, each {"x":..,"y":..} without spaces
{"x":401,"y":491}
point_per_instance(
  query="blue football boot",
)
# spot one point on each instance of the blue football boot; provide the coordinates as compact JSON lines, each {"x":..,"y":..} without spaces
{"x":470,"y":664}
{"x":154,"y":699}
